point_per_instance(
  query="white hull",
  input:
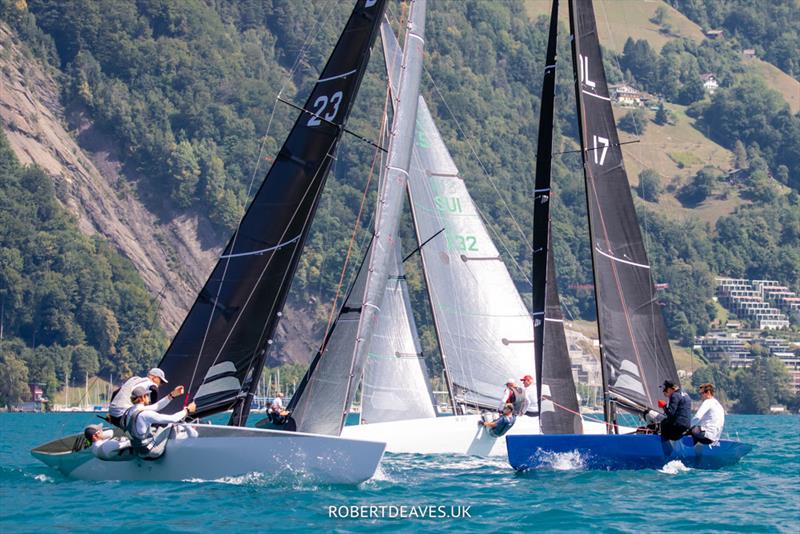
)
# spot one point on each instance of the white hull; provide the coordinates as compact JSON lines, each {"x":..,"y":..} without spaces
{"x":450,"y":435}
{"x":211,"y":452}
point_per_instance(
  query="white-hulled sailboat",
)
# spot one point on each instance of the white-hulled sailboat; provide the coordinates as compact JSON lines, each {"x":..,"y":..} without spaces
{"x":220,"y":349}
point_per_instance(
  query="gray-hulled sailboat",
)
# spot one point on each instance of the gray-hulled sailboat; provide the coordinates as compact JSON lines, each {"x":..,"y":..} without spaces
{"x":220,"y":349}
{"x":635,"y":351}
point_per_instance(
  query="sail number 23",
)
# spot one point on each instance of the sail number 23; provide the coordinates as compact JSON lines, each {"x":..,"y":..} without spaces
{"x":322,"y":104}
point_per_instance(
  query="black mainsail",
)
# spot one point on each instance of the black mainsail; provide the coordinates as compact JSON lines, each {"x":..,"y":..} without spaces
{"x":635,"y":351}
{"x":558,"y":401}
{"x":220,"y":349}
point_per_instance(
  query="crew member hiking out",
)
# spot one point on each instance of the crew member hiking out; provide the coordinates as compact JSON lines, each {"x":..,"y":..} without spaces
{"x":121,"y":399}
{"x":502,"y":424}
{"x":138,"y":422}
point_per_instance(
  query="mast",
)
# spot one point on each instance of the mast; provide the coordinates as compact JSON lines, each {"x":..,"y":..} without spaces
{"x":328,"y":388}
{"x":634,"y":349}
{"x":393,"y":56}
{"x":391,"y":197}
{"x":558,"y":402}
{"x":220,"y":348}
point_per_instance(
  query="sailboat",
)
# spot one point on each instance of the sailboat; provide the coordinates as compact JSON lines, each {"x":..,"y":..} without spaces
{"x":635,"y":351}
{"x":219,"y":351}
{"x":484,"y":329}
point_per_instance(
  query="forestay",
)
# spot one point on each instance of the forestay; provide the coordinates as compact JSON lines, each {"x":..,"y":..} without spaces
{"x":558,"y":402}
{"x":484,"y":330}
{"x":220,"y":348}
{"x":634,"y":347}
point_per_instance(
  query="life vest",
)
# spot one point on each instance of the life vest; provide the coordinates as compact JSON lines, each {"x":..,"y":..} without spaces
{"x":141,"y":445}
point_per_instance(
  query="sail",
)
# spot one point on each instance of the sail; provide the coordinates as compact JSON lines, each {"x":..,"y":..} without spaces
{"x":485,"y":332}
{"x":220,"y":348}
{"x":558,"y":401}
{"x":395,"y":385}
{"x":316,"y":405}
{"x":634,"y":347}
{"x":324,"y":398}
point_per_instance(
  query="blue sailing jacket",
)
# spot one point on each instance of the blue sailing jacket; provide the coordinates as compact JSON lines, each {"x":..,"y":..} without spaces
{"x":679,"y":409}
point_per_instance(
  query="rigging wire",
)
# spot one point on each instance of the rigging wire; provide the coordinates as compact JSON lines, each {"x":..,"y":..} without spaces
{"x":306,"y":44}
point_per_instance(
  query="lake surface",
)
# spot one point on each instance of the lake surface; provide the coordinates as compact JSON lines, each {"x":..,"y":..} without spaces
{"x":762,"y":493}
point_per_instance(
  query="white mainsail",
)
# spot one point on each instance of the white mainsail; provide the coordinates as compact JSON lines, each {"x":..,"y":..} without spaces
{"x":485,"y":331}
{"x":395,"y":385}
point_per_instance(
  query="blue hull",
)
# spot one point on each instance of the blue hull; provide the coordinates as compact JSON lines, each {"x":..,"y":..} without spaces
{"x":611,"y":452}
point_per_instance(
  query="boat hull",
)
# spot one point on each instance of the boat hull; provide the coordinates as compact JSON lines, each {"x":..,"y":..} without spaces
{"x":612,"y":452}
{"x":212,"y":452}
{"x":448,"y":435}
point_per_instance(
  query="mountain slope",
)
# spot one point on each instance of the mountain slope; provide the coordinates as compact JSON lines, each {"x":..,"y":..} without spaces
{"x":167,"y":254}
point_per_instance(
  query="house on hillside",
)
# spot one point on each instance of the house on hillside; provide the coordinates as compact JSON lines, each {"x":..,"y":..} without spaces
{"x":749,"y":53}
{"x":625,"y":95}
{"x":710,"y":83}
{"x":714,"y":34}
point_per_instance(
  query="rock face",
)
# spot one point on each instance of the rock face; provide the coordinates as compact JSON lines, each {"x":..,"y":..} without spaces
{"x":170,"y":257}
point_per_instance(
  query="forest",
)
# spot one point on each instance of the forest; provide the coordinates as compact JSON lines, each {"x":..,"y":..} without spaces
{"x":188,"y":90}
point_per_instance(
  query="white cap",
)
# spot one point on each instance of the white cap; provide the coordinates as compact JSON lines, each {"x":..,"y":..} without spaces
{"x":155,"y":371}
{"x":510,"y":381}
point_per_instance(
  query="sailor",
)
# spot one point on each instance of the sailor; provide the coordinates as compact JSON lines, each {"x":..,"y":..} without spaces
{"x":514,"y":395}
{"x":531,"y":402}
{"x":138,"y":422}
{"x":709,"y":419}
{"x":104,"y":445}
{"x":502,"y":424}
{"x":678,"y":412}
{"x":276,"y":413}
{"x":120,"y":401}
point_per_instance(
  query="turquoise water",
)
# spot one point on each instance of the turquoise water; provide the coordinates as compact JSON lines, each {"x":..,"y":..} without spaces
{"x":762,"y":493}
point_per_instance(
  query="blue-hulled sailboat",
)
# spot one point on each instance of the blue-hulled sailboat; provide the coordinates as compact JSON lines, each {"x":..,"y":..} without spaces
{"x":634,"y":349}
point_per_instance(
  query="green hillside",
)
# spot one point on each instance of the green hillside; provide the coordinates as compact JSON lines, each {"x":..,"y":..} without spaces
{"x":187,"y":91}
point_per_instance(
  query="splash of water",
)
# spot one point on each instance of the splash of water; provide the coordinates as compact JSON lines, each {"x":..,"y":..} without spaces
{"x":674,"y":467}
{"x":561,"y":461}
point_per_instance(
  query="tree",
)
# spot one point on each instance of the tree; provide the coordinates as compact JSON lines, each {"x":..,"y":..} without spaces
{"x":663,"y":115}
{"x":650,"y":185}
{"x":700,"y":188}
{"x":739,"y":155}
{"x":634,"y":122}
{"x":764,"y":383}
{"x":13,"y":377}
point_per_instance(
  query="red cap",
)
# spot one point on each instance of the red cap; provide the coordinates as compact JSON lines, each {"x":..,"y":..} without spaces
{"x":527,"y":377}
{"x":662,"y":404}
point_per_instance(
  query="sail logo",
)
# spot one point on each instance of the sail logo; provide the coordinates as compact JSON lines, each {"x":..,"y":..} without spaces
{"x":583,"y":71}
{"x":629,"y":377}
{"x":370,"y":3}
{"x":219,"y":378}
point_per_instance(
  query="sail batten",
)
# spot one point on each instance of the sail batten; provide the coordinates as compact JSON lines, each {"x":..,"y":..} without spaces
{"x":232,"y":322}
{"x":632,"y":331}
